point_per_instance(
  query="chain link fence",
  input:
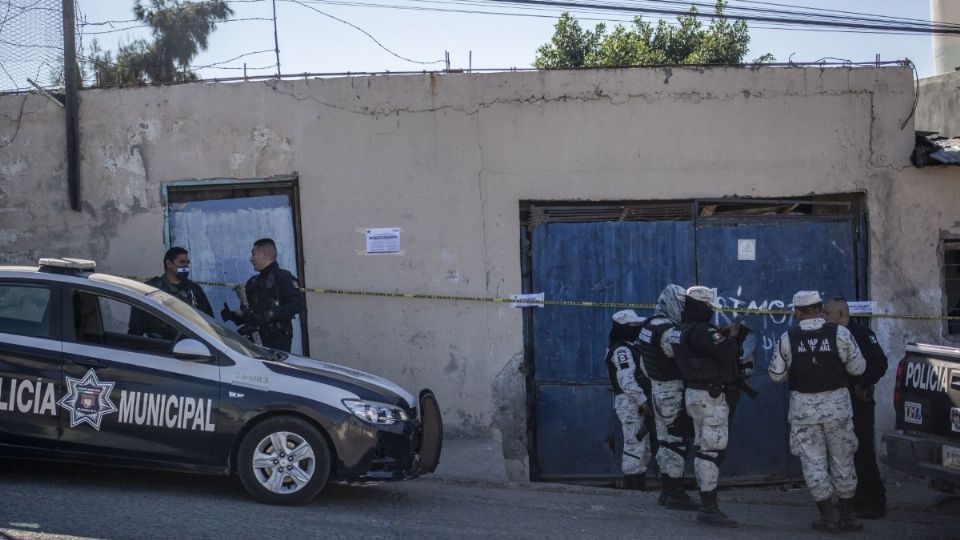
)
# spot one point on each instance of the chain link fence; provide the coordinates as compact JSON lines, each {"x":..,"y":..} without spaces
{"x":31,"y":44}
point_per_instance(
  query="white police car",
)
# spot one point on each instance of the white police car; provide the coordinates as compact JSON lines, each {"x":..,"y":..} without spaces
{"x":193,"y":396}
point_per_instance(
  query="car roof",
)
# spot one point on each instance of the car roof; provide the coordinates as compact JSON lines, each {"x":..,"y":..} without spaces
{"x":111,"y":281}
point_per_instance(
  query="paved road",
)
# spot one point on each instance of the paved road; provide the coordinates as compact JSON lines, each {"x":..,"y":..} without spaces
{"x":43,"y":500}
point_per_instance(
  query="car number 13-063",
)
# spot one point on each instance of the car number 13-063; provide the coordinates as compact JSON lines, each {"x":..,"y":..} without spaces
{"x":951,"y":457}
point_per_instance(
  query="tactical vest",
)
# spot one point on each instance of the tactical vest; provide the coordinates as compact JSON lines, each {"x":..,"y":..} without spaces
{"x":697,"y":367}
{"x":612,"y":367}
{"x":816,"y":364}
{"x":658,"y":365}
{"x":264,"y":296}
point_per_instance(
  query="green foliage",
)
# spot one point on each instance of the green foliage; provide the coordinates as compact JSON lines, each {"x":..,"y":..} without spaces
{"x":687,"y":42}
{"x":180,"y":31}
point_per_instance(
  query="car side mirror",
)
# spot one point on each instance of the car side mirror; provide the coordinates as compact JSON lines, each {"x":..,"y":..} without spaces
{"x":191,"y":349}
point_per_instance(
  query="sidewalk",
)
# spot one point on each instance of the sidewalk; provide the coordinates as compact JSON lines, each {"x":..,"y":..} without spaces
{"x":479,"y":461}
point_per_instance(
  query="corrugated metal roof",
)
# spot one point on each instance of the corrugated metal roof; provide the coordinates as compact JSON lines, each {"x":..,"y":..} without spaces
{"x":949,"y":152}
{"x":931,"y":149}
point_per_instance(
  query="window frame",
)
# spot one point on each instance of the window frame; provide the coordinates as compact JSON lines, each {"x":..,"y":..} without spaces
{"x":69,"y":334}
{"x":55,"y":333}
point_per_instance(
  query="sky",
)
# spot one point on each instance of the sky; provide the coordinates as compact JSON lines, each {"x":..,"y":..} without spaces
{"x":312,"y":42}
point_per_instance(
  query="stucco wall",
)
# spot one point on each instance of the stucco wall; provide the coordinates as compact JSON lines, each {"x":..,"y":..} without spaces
{"x":448,"y":158}
{"x":938,"y":108}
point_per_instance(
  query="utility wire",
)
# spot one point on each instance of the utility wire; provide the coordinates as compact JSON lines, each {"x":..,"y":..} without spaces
{"x":924,"y":29}
{"x":364,"y":32}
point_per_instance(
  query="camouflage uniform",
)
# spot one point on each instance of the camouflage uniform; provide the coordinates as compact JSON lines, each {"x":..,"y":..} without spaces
{"x":710,"y":433}
{"x":821,"y":423}
{"x":636,"y":436}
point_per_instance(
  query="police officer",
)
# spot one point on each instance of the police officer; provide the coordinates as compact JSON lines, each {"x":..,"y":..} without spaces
{"x":708,"y":358}
{"x":630,"y":399}
{"x":274,"y":297}
{"x":870,"y":501}
{"x":816,"y":357}
{"x":175,"y":282}
{"x":674,"y":427}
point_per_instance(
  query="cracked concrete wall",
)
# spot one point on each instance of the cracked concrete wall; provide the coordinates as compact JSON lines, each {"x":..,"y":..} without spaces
{"x":448,"y":158}
{"x":938,"y":108}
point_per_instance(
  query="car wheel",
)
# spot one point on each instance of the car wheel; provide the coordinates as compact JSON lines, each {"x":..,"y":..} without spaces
{"x":283,"y":460}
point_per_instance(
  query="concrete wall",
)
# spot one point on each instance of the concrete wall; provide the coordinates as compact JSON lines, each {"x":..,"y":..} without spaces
{"x":938,"y":108}
{"x":448,"y":158}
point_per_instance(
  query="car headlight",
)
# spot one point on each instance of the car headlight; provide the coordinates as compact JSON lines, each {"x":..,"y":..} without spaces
{"x":375,"y":413}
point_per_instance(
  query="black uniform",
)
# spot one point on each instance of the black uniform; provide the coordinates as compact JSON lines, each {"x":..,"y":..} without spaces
{"x":186,"y":290}
{"x":275,"y":299}
{"x":707,"y":360}
{"x":871,"y":496}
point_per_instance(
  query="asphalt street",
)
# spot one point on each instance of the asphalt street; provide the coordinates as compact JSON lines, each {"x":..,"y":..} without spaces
{"x":52,"y":501}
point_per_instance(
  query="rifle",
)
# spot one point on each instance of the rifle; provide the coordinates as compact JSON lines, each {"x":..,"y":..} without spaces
{"x":742,"y":331}
{"x":245,"y":307}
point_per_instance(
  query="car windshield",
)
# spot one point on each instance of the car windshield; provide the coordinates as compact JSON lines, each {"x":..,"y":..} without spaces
{"x":222,"y":333}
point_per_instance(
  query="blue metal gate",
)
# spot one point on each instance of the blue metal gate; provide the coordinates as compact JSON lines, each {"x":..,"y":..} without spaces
{"x":614,"y":261}
{"x":790,"y":255}
{"x":575,"y":431}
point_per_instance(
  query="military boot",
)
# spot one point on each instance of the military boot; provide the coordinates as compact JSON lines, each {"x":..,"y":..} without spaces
{"x":709,"y":512}
{"x":664,"y":489}
{"x":634,"y":482}
{"x":676,"y":498}
{"x":848,"y":517}
{"x":826,"y":523}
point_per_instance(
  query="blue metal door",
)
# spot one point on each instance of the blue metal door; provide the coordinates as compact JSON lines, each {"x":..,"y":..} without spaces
{"x":219,"y":234}
{"x":789,"y":255}
{"x":577,"y":434}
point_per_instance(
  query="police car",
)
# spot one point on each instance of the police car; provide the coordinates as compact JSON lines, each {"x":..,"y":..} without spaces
{"x":193,"y":395}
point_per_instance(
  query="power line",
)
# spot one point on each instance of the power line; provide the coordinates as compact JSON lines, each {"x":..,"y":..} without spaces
{"x":364,"y":32}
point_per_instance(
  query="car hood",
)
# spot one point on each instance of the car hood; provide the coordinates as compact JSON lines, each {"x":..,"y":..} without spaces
{"x":362,"y":383}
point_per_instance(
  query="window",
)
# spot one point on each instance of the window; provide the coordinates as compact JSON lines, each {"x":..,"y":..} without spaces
{"x":25,"y":310}
{"x":951,"y":282}
{"x":105,"y":321}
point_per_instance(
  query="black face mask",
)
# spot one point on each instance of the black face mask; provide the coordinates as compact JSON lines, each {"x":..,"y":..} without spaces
{"x":696,"y":311}
{"x":623,"y":332}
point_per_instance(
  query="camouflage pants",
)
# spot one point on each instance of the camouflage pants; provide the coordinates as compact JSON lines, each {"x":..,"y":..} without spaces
{"x":667,"y":405}
{"x":636,"y":439}
{"x":826,"y":453}
{"x":711,"y":417}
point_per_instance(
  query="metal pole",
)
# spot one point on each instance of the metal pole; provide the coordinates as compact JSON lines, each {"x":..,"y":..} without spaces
{"x":276,"y":41}
{"x":72,"y":104}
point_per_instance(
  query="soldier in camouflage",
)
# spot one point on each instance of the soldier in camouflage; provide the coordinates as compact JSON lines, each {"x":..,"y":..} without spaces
{"x":630,"y":399}
{"x":817,"y":358}
{"x":708,"y":359}
{"x":674,"y":427}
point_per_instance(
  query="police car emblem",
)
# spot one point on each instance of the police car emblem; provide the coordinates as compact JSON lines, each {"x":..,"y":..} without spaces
{"x":88,"y":400}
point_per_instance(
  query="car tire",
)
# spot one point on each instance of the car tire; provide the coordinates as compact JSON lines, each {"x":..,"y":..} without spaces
{"x":283,"y":460}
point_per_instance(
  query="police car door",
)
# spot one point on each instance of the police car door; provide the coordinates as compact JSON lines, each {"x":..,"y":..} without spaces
{"x":30,"y":359}
{"x":128,"y":395}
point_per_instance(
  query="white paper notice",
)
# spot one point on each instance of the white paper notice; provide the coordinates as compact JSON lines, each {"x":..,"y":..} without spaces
{"x":383,"y":241}
{"x":746,"y":249}
{"x":524,"y":300}
{"x":861,"y":308}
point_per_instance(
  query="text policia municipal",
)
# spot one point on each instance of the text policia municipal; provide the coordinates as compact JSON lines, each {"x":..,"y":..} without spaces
{"x":138,"y":408}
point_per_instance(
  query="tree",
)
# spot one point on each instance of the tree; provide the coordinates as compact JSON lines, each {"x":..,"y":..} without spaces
{"x":180,"y":31}
{"x":687,"y":42}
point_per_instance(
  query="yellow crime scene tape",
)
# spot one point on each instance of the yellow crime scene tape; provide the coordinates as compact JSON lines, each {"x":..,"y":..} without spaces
{"x":573,"y":303}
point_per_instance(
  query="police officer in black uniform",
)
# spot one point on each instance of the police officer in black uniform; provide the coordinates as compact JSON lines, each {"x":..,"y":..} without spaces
{"x":870,"y":501}
{"x":174,"y":281}
{"x":709,"y":361}
{"x":274,"y":297}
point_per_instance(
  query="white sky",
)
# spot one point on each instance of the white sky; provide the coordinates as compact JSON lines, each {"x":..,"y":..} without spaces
{"x":311,"y":42}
